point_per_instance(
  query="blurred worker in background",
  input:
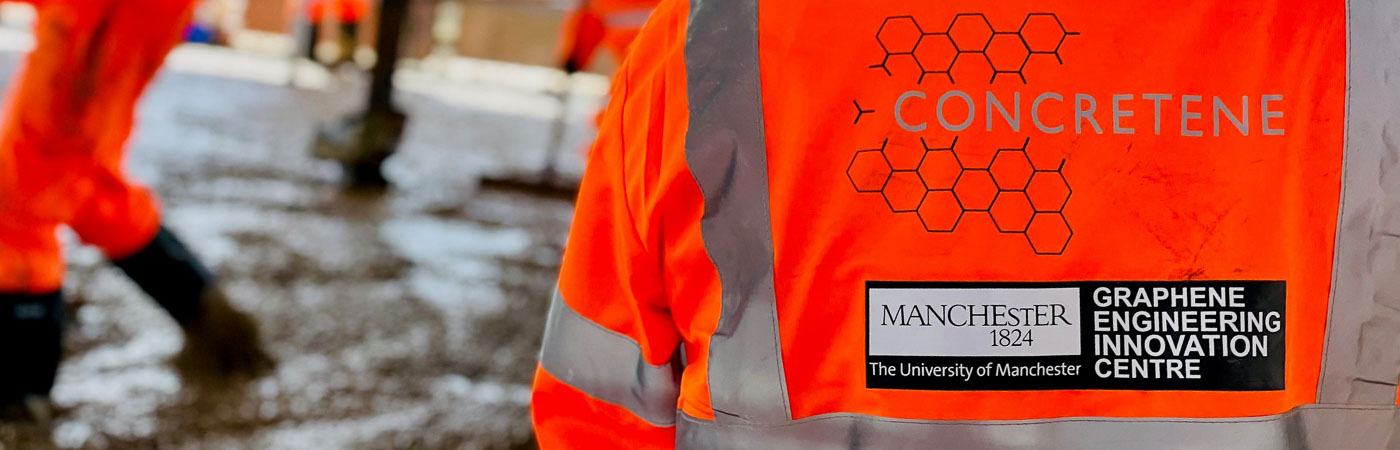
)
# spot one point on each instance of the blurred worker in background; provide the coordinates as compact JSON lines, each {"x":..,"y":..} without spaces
{"x":596,"y":23}
{"x":348,"y":14}
{"x":754,"y":263}
{"x":212,"y":21}
{"x":68,"y":114}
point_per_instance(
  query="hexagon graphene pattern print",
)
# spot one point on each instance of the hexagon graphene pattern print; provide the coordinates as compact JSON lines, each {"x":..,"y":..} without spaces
{"x":938,"y":187}
{"x":970,"y":39}
{"x":1019,"y":197}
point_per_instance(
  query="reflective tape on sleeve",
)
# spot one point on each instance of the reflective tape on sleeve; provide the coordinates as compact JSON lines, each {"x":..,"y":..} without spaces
{"x":1312,"y":426}
{"x":607,"y":366}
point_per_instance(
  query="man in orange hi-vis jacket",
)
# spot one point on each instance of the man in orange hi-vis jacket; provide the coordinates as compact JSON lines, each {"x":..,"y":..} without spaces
{"x":597,"y":23}
{"x":68,"y":114}
{"x":1018,"y":224}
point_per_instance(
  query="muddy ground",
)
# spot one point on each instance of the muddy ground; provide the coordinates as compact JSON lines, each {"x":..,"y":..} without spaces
{"x":401,"y":319}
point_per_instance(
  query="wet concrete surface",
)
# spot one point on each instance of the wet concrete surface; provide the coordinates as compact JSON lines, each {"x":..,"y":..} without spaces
{"x":408,"y":318}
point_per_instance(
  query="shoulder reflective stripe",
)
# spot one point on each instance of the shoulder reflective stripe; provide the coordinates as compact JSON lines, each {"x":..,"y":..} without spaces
{"x":1361,"y":357}
{"x":725,"y":150}
{"x":607,"y":366}
{"x":1313,"y":426}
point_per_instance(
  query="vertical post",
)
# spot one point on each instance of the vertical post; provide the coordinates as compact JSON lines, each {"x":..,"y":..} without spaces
{"x":361,"y":142}
{"x":386,"y":50}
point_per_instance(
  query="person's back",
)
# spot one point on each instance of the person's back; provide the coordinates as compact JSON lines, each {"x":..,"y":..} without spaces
{"x":973,"y":224}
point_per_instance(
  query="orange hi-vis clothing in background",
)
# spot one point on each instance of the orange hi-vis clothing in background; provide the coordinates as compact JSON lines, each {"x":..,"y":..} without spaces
{"x":68,"y":114}
{"x":344,"y":11}
{"x":983,"y":224}
{"x":595,"y":23}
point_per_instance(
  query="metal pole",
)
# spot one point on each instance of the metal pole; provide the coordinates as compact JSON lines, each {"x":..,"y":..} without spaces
{"x":361,"y":142}
{"x":386,"y":50}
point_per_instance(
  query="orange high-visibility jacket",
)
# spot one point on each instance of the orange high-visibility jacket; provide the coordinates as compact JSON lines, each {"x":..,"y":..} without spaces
{"x":344,"y":11}
{"x":595,"y":23}
{"x":68,"y":114}
{"x":1007,"y":224}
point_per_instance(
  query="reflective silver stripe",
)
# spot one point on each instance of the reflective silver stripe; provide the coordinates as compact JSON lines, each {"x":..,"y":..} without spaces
{"x":607,"y":366}
{"x":1361,"y":357}
{"x":726,"y":153}
{"x":630,"y":18}
{"x":1313,"y":426}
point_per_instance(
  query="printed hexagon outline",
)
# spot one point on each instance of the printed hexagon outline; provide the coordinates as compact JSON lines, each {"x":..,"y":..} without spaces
{"x":1024,"y":157}
{"x":961,"y":212}
{"x":920,"y":168}
{"x":1020,"y":69}
{"x":884,"y":62}
{"x":1069,"y":190}
{"x":881,"y":152}
{"x":984,"y":60}
{"x":886,"y":22}
{"x":890,"y":204}
{"x":959,"y":197}
{"x":950,"y":173}
{"x":991,"y":211}
{"x":946,"y":71}
{"x":987,"y":23}
{"x":1068,"y":238}
{"x":1064,"y":34}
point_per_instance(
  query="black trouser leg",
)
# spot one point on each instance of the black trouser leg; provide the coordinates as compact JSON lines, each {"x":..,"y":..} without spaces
{"x":31,"y":344}
{"x":311,"y":43}
{"x":170,"y":274}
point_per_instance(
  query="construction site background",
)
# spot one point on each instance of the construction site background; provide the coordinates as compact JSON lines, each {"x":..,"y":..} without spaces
{"x":403,"y":318}
{"x":520,"y":31}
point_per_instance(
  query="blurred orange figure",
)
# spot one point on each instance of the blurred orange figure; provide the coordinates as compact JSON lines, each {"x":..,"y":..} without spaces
{"x":345,"y":11}
{"x":68,"y":113}
{"x":595,"y":23}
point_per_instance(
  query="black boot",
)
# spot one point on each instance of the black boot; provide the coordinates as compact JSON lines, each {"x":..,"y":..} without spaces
{"x":221,"y":343}
{"x":31,"y":344}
